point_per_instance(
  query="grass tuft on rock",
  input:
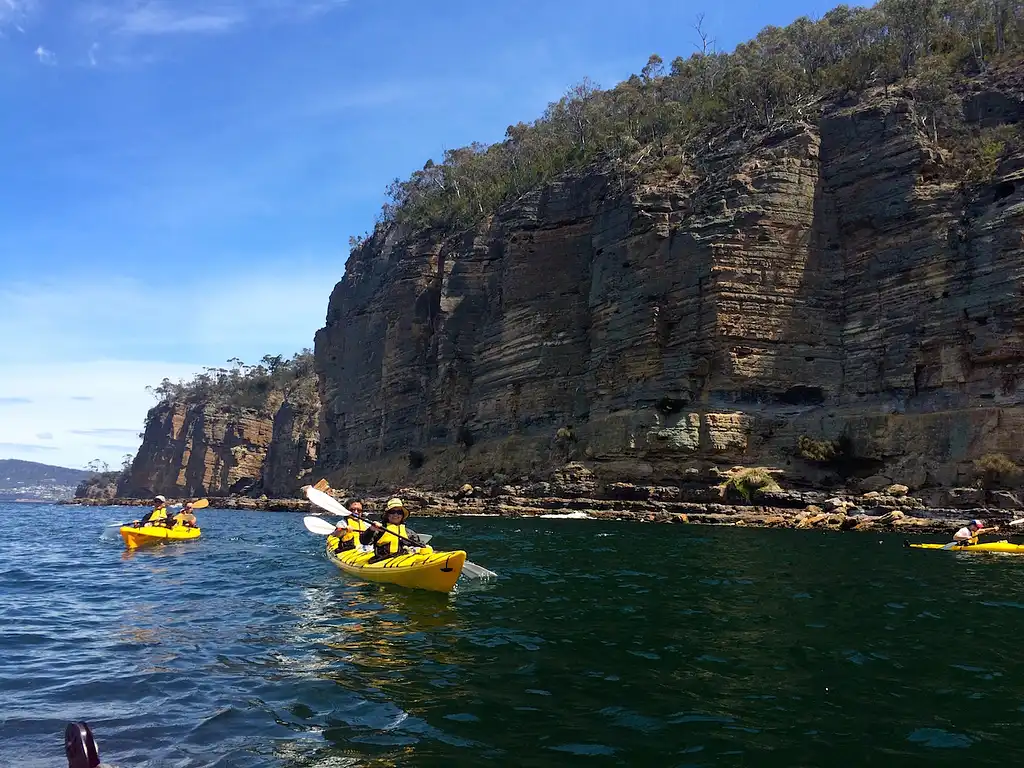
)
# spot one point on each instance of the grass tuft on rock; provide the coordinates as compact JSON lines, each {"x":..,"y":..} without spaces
{"x":746,"y":481}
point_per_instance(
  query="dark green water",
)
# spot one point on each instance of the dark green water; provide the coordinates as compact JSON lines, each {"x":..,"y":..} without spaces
{"x":600,"y":644}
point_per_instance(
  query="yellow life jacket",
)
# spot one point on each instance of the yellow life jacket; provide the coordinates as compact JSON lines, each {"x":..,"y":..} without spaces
{"x":349,"y":536}
{"x":390,"y":543}
{"x":158,"y":514}
{"x":355,"y":527}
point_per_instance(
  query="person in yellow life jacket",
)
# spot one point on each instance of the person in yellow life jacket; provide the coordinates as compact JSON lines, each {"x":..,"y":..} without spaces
{"x":391,"y":538}
{"x":349,"y":528}
{"x":158,"y":513}
{"x":185,"y":518}
{"x":968,"y":535}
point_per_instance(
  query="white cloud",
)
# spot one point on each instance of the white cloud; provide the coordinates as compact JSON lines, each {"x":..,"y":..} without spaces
{"x":45,"y":56}
{"x":93,"y":49}
{"x":183,"y":17}
{"x":78,"y":354}
{"x":56,"y":429}
{"x":15,"y":12}
{"x":273,"y":309}
{"x":155,"y":18}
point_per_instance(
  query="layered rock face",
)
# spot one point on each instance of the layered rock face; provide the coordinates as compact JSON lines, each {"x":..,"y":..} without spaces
{"x":826,"y":279}
{"x":202,"y":450}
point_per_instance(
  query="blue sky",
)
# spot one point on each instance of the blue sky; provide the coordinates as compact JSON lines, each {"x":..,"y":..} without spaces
{"x":180,"y":178}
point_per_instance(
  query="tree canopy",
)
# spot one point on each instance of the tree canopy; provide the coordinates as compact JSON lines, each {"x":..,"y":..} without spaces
{"x":657,"y":115}
{"x":259,"y":387}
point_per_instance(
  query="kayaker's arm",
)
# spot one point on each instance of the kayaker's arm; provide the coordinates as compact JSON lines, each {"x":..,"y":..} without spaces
{"x":371,"y":534}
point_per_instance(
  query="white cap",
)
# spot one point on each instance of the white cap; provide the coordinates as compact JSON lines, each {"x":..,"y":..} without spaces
{"x":160,"y":498}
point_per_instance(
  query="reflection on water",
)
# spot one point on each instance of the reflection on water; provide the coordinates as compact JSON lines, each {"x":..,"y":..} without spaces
{"x":609,"y":644}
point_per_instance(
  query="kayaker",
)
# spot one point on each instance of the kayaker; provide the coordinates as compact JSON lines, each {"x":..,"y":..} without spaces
{"x":184,"y":518}
{"x":349,"y":529}
{"x":157,"y":513}
{"x":392,"y":538}
{"x":968,"y":535}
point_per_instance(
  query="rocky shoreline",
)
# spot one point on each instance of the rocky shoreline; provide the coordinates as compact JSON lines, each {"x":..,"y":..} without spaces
{"x":894,"y":509}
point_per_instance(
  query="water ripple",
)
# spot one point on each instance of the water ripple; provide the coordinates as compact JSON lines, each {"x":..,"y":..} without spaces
{"x":672,"y":646}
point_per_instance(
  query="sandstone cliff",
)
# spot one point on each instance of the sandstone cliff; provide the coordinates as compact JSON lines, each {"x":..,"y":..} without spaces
{"x":255,"y":434}
{"x":827,"y":278}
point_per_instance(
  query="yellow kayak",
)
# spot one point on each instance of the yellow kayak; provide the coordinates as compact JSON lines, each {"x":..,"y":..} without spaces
{"x":156,"y":534}
{"x":434,"y":571}
{"x":991,"y":546}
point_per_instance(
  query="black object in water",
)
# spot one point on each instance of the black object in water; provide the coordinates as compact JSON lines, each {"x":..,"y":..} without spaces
{"x":80,"y":746}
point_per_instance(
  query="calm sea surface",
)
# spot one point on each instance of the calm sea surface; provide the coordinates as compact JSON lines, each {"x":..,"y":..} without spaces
{"x":599,"y":644}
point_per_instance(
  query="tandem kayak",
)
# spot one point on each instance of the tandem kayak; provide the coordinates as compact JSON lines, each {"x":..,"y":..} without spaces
{"x":433,"y":571}
{"x":156,"y":534}
{"x":991,"y":546}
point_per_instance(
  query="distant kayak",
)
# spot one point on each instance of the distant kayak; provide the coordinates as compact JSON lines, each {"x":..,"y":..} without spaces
{"x":992,"y":546}
{"x":433,"y":571}
{"x":156,"y":534}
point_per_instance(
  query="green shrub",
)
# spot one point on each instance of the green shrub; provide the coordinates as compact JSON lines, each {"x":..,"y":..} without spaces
{"x":565,"y":435}
{"x":746,"y":481}
{"x":820,"y":451}
{"x":997,"y":470}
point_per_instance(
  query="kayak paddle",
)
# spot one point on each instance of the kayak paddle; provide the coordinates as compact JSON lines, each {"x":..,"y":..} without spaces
{"x":334,"y":506}
{"x":331,"y":504}
{"x":321,"y":527}
{"x":317,"y":525}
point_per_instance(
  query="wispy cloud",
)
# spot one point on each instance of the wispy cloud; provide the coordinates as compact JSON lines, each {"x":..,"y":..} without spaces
{"x":25,"y":447}
{"x":45,"y":56}
{"x":15,"y":12}
{"x":76,"y":335}
{"x":199,"y":17}
{"x":14,"y":400}
{"x":93,"y":49}
{"x":112,"y":318}
{"x":74,"y":437}
{"x":156,"y":18}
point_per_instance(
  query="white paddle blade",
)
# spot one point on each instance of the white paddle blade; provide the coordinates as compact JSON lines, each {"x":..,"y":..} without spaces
{"x":324,"y":501}
{"x":318,"y":525}
{"x":475,"y":571}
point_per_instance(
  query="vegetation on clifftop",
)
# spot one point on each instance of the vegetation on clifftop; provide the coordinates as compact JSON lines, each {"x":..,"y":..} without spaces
{"x":103,"y":482}
{"x":262,"y":387}
{"x":671,"y":119}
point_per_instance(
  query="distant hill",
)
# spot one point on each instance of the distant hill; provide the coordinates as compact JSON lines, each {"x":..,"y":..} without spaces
{"x":31,"y":480}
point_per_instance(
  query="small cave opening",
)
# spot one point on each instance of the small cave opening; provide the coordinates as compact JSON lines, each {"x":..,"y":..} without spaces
{"x":802,"y":395}
{"x":1003,"y":190}
{"x":670,"y":405}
